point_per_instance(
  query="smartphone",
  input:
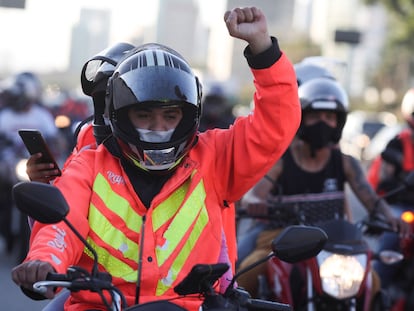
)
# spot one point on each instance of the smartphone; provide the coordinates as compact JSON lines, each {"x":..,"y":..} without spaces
{"x":35,"y":143}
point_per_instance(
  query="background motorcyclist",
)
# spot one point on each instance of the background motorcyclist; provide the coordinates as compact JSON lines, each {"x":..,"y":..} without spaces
{"x":387,"y":172}
{"x":397,"y":159}
{"x":312,"y":169}
{"x":21,"y":97}
{"x":23,"y":108}
{"x":217,"y":109}
{"x":248,"y":229}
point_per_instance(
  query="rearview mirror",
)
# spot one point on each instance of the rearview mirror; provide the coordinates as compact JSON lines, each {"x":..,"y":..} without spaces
{"x":43,"y":202}
{"x":297,"y":243}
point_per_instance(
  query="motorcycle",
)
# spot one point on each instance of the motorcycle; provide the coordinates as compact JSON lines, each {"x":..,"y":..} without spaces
{"x":401,"y":277}
{"x":46,"y":204}
{"x":340,"y":276}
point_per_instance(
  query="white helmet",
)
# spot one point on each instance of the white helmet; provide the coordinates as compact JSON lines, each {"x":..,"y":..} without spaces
{"x":407,"y":107}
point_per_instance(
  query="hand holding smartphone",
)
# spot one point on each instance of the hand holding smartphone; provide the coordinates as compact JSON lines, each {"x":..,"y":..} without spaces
{"x":35,"y":143}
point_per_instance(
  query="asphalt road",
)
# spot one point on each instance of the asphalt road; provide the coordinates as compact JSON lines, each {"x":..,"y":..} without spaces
{"x":12,"y":299}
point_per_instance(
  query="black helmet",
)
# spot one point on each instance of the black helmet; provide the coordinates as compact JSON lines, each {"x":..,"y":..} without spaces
{"x":215,"y":103}
{"x":324,"y":94}
{"x":153,"y":75}
{"x":99,"y":68}
{"x":306,"y":71}
{"x":94,"y":79}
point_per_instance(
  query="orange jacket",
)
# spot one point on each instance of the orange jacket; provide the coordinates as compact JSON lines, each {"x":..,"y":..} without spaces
{"x":185,"y":224}
{"x":85,"y":140}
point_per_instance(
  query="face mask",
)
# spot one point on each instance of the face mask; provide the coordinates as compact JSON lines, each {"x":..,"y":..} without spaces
{"x":150,"y":136}
{"x":317,"y":135}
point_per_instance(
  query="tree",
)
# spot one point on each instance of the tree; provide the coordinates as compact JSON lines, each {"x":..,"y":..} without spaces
{"x":397,"y":66}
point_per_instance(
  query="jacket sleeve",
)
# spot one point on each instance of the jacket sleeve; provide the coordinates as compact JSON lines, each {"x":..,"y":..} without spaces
{"x":254,"y":143}
{"x":56,"y":243}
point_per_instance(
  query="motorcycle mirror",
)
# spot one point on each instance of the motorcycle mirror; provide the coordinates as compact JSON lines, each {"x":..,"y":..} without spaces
{"x":43,"y":202}
{"x":46,"y":204}
{"x":390,"y":257}
{"x":296,"y":243}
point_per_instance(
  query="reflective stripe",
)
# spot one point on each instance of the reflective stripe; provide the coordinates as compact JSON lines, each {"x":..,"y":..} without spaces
{"x":111,"y":235}
{"x":117,"y":203}
{"x":166,"y":210}
{"x":165,"y":284}
{"x":113,"y":265}
{"x":192,"y":216}
{"x":181,"y":223}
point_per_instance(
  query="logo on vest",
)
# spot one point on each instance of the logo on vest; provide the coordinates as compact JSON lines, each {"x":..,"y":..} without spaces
{"x":115,"y":179}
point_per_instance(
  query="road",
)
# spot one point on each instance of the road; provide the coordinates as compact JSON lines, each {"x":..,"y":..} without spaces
{"x":10,"y":295}
{"x":15,"y":300}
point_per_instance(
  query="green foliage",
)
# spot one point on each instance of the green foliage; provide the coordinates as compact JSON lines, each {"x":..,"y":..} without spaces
{"x":401,"y":20}
{"x":397,"y":61}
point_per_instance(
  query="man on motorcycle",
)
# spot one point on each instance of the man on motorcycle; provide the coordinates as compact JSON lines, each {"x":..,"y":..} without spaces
{"x":387,"y":172}
{"x":397,"y":159}
{"x":313,"y":169}
{"x":158,"y":171}
{"x":248,"y":230}
{"x":21,"y":107}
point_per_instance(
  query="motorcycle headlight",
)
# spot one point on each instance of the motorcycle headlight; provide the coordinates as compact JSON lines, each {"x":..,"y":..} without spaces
{"x":341,"y":275}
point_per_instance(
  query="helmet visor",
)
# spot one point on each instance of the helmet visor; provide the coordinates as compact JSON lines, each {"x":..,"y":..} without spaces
{"x":154,"y":84}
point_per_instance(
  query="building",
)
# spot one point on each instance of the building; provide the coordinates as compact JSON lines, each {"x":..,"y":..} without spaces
{"x":89,"y":36}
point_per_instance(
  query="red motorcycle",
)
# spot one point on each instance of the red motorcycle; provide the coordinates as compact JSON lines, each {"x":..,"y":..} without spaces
{"x":340,"y":277}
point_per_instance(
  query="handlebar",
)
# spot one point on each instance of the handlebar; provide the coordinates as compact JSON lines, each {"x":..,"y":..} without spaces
{"x":41,"y":286}
{"x":93,"y":284}
{"x":53,"y":280}
{"x":77,"y":279}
